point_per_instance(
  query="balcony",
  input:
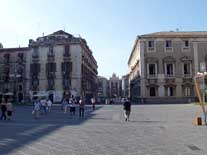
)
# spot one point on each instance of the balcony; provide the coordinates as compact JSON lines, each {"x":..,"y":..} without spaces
{"x":170,"y":76}
{"x":50,"y":57}
{"x":187,"y":75}
{"x":152,"y":76}
{"x":51,"y":75}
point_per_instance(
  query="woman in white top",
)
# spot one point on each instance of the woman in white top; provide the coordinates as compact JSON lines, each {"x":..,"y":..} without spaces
{"x":49,"y":104}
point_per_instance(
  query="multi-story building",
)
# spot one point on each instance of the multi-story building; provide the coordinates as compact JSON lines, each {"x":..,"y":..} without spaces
{"x":58,"y":65}
{"x":162,"y":66}
{"x":125,"y":86}
{"x":102,"y":87}
{"x":13,"y":70}
{"x":114,"y":86}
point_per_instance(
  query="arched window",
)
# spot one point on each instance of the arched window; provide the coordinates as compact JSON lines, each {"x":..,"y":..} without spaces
{"x":187,"y":91}
{"x":152,"y":91}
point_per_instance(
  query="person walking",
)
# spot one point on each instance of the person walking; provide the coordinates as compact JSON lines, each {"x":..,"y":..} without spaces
{"x":65,"y":106}
{"x":49,"y":104}
{"x":81,"y":108}
{"x":36,"y":110}
{"x":93,"y":102}
{"x":3,"y":109}
{"x":44,"y":105}
{"x":127,"y":109}
{"x":72,"y":106}
{"x":9,"y":107}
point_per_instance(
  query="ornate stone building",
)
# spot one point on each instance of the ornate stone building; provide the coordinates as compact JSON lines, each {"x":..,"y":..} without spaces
{"x":114,"y":86}
{"x":58,"y":65}
{"x":13,"y":70}
{"x":125,"y":86}
{"x":162,"y":66}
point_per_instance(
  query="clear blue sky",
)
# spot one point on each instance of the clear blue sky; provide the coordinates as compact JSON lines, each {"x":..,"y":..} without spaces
{"x":109,"y":26}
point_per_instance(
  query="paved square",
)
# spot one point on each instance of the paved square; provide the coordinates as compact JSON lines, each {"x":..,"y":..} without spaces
{"x":153,"y":129}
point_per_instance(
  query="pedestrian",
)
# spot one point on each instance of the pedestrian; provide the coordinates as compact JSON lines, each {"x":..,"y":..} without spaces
{"x":127,"y":109}
{"x":81,"y":108}
{"x":9,"y":107}
{"x":93,"y":102}
{"x":36,"y":109}
{"x":65,"y":105}
{"x":49,"y":104}
{"x":3,"y":109}
{"x":44,"y":105}
{"x":72,"y":106}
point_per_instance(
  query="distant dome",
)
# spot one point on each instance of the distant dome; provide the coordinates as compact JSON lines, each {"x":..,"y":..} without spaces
{"x":1,"y":46}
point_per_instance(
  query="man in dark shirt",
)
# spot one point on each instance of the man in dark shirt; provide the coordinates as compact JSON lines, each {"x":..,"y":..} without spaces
{"x":3,"y":110}
{"x":127,"y":109}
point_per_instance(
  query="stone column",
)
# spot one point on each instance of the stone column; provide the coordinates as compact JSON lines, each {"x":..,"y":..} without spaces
{"x":142,"y":67}
{"x":195,"y":52}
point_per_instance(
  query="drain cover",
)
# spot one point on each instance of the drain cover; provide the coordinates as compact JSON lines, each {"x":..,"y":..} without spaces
{"x":193,"y":147}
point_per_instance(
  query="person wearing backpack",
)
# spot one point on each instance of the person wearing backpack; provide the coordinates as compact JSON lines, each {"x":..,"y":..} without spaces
{"x":127,"y":109}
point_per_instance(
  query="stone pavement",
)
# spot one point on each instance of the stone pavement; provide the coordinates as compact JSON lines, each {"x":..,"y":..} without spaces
{"x":153,"y":130}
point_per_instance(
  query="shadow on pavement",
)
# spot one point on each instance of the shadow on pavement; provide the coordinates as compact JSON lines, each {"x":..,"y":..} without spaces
{"x":24,"y":129}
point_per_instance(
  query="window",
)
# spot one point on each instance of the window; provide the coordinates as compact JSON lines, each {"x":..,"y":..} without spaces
{"x":51,"y":51}
{"x":20,"y":87}
{"x":187,"y":91}
{"x":186,"y":69}
{"x":66,"y":67}
{"x":21,"y":56}
{"x":51,"y":67}
{"x":152,"y":70}
{"x":51,"y":83}
{"x":186,"y":43}
{"x":151,"y":44}
{"x":67,"y":51}
{"x":66,"y":83}
{"x":35,"y":82}
{"x":152,"y":91}
{"x":6,"y":58}
{"x":168,"y":44}
{"x":170,"y":91}
{"x":35,"y":68}
{"x":169,"y":69}
{"x":202,"y":67}
{"x":35,"y":53}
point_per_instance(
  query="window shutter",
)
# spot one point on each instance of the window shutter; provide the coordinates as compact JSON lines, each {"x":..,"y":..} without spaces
{"x":31,"y":67}
{"x":70,"y":67}
{"x":62,"y":66}
{"x":54,"y":67}
{"x":47,"y":67}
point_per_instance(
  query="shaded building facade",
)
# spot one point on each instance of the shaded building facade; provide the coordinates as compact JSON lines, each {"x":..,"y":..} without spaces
{"x":57,"y":65}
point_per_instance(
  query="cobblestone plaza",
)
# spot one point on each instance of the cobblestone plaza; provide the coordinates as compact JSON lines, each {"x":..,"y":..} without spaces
{"x":153,"y":129}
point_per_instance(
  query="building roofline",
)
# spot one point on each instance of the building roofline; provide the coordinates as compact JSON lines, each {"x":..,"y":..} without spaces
{"x":14,"y":49}
{"x":176,"y":34}
{"x":134,"y":46}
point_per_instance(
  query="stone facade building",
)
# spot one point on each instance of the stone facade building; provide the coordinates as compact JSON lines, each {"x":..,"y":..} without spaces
{"x":125,"y":86}
{"x":59,"y":65}
{"x":114,"y":86}
{"x":162,"y":66}
{"x":13,"y":69}
{"x":103,"y":87}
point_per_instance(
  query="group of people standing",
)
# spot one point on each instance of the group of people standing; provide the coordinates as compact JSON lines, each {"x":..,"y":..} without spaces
{"x":44,"y":106}
{"x":6,"y":109}
{"x":72,"y":102}
{"x":41,"y":106}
